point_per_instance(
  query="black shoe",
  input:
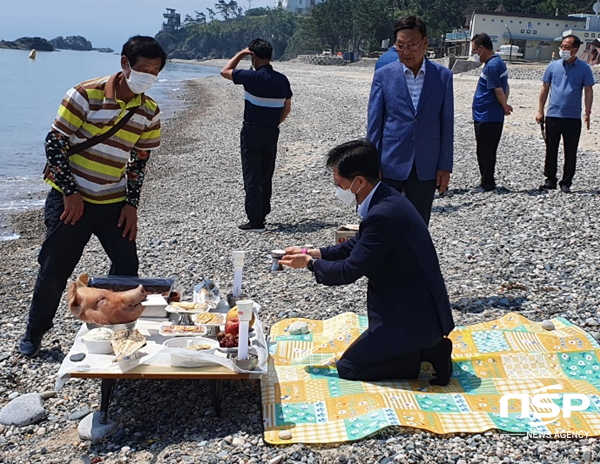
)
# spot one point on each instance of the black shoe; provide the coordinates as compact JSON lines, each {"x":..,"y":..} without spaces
{"x":484,"y":188}
{"x":440,"y":357}
{"x":31,"y":343}
{"x":249,"y":227}
{"x":565,"y":189}
{"x":548,"y":186}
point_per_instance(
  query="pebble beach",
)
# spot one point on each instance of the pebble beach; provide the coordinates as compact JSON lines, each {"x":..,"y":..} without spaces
{"x":514,"y":249}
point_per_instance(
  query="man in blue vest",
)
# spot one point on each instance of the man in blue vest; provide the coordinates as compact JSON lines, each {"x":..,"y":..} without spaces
{"x":489,"y":108}
{"x":268,"y":102}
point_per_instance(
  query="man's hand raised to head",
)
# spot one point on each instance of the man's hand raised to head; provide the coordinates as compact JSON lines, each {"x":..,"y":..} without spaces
{"x":227,"y":71}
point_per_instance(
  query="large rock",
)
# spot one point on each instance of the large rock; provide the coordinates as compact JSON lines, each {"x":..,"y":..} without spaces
{"x":25,"y":410}
{"x":91,"y":429}
{"x":74,"y":42}
{"x":27,"y":43}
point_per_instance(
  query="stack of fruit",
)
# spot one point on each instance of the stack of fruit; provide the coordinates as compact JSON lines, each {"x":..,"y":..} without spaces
{"x":230,"y":338}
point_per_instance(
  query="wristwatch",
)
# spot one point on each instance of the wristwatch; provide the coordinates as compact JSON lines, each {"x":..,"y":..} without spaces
{"x":311,"y":265}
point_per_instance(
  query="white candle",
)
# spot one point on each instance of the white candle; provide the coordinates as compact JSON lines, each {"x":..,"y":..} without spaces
{"x":238,"y":266}
{"x":245,"y":308}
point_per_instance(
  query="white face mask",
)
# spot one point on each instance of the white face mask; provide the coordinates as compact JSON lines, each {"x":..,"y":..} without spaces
{"x":139,"y":82}
{"x":347,"y":197}
{"x":565,"y":54}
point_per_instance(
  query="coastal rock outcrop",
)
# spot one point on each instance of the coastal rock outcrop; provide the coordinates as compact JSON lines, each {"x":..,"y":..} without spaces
{"x":74,"y":42}
{"x":27,"y":43}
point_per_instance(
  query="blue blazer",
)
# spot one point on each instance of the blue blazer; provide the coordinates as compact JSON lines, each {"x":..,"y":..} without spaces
{"x":407,"y":303}
{"x":404,"y":135}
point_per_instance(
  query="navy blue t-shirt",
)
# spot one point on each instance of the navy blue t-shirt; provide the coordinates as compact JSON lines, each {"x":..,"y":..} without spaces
{"x":486,"y":107}
{"x":266,"y":92}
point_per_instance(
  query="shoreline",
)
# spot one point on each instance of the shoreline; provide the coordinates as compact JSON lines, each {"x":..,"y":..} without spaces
{"x":515,"y":251}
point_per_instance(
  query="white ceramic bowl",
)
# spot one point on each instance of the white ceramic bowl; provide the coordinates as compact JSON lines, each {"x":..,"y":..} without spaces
{"x":114,"y":327}
{"x":99,"y":345}
{"x":187,"y":342}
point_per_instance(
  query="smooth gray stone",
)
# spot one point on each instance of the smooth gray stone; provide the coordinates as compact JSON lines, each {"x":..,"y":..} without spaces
{"x":91,"y":429}
{"x":25,"y":410}
{"x":79,"y":414}
{"x":48,"y":394}
{"x":548,"y":325}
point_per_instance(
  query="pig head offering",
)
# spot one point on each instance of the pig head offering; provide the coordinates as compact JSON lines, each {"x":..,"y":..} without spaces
{"x":104,"y":307}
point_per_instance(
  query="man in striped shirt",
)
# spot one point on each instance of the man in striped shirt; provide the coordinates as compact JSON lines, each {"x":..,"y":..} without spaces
{"x":95,"y":190}
{"x":268,"y":102}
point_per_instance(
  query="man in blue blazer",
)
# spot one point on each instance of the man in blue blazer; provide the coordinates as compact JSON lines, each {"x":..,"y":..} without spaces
{"x":407,"y":304}
{"x":411,"y":119}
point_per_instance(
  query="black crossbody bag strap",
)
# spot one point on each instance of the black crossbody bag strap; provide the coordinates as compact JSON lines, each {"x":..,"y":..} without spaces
{"x":97,"y":139}
{"x":102,"y":137}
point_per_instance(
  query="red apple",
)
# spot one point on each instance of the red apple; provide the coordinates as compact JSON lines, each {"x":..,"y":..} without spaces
{"x":232,"y":326}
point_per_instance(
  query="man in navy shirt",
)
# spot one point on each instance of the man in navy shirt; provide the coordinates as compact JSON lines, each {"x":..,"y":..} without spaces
{"x":489,"y":108}
{"x":268,"y":103}
{"x":564,"y":80}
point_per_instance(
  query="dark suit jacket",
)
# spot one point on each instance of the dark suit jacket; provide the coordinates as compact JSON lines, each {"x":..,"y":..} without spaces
{"x":405,"y":135}
{"x":407,"y":303}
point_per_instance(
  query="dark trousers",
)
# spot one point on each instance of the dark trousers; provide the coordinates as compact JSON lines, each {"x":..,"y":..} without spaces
{"x":488,"y":136}
{"x":360,"y":362}
{"x":63,"y":248}
{"x":419,"y":192}
{"x":570,"y":130}
{"x":259,"y":150}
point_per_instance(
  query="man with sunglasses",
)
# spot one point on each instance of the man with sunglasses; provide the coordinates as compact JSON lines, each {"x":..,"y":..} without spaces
{"x":564,"y":80}
{"x":411,"y":118}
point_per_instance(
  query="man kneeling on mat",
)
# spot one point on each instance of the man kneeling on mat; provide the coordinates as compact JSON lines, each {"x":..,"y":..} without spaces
{"x":407,"y":303}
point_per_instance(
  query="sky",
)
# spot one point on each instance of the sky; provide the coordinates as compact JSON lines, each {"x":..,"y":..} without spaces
{"x":106,"y":23}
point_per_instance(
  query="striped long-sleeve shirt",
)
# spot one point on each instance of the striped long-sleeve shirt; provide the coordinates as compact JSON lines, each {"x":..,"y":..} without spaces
{"x":110,"y":171}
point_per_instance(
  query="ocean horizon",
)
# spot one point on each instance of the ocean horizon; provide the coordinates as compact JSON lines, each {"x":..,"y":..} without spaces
{"x":32,"y":93}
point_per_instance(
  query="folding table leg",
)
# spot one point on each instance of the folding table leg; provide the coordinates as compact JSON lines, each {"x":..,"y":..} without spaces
{"x":106,"y":392}
{"x":216,"y":393}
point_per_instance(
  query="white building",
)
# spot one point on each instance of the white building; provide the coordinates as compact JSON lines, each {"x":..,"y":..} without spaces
{"x":297,"y":6}
{"x":536,"y":36}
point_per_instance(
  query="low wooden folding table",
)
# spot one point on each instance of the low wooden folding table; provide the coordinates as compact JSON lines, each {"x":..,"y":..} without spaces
{"x":215,"y":373}
{"x":95,"y":366}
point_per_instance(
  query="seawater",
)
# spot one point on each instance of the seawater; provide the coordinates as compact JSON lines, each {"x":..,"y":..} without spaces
{"x":31,"y":93}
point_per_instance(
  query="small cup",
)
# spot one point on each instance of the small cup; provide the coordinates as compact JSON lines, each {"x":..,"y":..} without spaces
{"x":277,"y":255}
{"x":232,"y":300}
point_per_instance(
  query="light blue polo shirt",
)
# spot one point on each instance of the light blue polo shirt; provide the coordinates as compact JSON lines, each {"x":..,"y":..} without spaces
{"x":566,"y":86}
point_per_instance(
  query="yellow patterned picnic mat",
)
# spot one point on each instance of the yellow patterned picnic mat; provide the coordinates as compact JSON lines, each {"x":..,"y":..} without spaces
{"x":303,"y":396}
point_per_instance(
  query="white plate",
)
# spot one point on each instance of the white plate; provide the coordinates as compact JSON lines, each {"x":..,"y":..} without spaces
{"x":222,"y":320}
{"x":178,"y":310}
{"x":170,"y":330}
{"x":186,"y":342}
